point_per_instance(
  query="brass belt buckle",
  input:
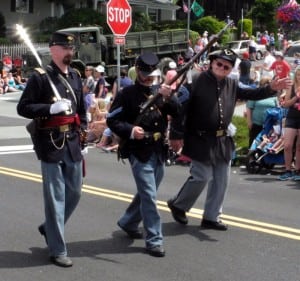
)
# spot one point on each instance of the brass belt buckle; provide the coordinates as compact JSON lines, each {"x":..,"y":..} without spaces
{"x":156,"y":136}
{"x":64,"y":128}
{"x":219,"y":133}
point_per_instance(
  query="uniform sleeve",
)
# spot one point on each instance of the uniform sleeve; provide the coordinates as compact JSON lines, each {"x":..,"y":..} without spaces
{"x":116,"y":117}
{"x":32,"y":103}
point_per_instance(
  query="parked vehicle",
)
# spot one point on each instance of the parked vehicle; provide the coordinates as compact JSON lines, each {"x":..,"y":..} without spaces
{"x":289,"y":54}
{"x":241,"y":46}
{"x":94,"y":48}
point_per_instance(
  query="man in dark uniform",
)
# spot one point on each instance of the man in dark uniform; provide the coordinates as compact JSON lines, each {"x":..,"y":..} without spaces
{"x":207,"y":140}
{"x":61,"y":120}
{"x":143,"y":143}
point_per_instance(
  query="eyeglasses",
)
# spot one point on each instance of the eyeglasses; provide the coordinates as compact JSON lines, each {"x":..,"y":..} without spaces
{"x":225,"y":67}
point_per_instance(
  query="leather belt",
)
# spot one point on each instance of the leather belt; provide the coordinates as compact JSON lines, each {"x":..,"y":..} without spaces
{"x":218,"y":133}
{"x":61,"y":129}
{"x":155,"y":136}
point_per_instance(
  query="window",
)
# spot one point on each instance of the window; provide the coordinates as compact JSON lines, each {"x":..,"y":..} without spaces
{"x":22,"y":6}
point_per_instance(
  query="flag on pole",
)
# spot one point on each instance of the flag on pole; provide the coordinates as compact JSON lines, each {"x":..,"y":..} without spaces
{"x":185,"y":7}
{"x":197,"y":9}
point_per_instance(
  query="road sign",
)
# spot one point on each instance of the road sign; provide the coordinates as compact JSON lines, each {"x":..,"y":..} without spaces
{"x":119,"y":16}
{"x":119,"y":40}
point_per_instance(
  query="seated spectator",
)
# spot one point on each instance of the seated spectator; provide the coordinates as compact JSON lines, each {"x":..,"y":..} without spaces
{"x":7,"y":63}
{"x":10,"y":83}
{"x":109,"y":141}
{"x":97,"y":124}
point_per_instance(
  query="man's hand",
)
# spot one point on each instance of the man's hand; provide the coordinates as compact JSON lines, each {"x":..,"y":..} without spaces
{"x":280,"y":84}
{"x":60,"y":106}
{"x":165,"y":91}
{"x":138,"y":133}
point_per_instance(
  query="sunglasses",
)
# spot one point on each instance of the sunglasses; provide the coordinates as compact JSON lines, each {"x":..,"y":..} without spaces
{"x":225,"y":67}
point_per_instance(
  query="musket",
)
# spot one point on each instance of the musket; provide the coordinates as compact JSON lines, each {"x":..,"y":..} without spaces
{"x":186,"y":67}
{"x":25,"y":37}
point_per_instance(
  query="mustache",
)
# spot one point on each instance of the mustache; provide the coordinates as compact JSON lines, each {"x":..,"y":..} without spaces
{"x":67,"y":59}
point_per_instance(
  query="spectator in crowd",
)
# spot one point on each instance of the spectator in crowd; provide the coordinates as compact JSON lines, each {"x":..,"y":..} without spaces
{"x":100,"y":89}
{"x":256,"y":112}
{"x":97,"y":125}
{"x":132,"y":73}
{"x":207,"y":140}
{"x":292,"y":130}
{"x":7,"y":64}
{"x":124,"y":82}
{"x":252,"y":48}
{"x":10,"y":82}
{"x":89,"y":82}
{"x":296,"y":61}
{"x":189,"y":52}
{"x":268,"y":60}
{"x":280,"y":66}
{"x":171,"y":73}
{"x":245,"y":67}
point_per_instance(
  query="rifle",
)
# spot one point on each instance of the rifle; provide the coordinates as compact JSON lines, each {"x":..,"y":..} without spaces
{"x":185,"y":68}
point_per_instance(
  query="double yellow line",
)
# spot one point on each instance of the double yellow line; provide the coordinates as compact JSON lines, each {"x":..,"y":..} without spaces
{"x":258,"y":226}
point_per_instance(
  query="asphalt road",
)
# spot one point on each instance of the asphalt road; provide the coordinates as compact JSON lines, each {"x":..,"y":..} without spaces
{"x":262,"y":243}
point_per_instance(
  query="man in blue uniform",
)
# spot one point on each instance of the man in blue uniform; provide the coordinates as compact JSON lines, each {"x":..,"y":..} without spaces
{"x":59,"y":141}
{"x":207,"y":140}
{"x":143,"y":143}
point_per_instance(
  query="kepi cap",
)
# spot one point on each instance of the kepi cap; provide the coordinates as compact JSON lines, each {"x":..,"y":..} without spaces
{"x":225,"y":54}
{"x":62,"y":39}
{"x":147,"y":63}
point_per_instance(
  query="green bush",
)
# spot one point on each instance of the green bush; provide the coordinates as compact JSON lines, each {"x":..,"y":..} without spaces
{"x":241,"y":138}
{"x":247,"y":27}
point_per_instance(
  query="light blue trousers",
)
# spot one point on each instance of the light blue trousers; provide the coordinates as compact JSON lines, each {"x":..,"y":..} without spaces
{"x":143,"y":206}
{"x":62,"y":184}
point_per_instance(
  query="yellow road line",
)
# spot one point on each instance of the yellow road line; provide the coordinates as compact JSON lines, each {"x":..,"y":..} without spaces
{"x":258,"y":226}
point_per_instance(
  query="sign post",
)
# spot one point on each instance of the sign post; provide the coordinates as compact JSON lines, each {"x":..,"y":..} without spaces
{"x":119,"y":19}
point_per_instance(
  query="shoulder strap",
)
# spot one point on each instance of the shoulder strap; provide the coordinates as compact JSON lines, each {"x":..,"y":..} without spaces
{"x":40,"y":70}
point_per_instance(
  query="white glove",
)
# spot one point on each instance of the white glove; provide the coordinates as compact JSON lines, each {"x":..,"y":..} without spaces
{"x":84,"y":151}
{"x":60,"y":106}
{"x":231,"y":130}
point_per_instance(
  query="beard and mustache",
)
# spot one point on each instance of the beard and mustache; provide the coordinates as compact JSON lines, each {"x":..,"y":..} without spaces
{"x":67,"y":59}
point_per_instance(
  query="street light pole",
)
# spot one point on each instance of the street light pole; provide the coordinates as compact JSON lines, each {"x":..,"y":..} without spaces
{"x":188,"y":19}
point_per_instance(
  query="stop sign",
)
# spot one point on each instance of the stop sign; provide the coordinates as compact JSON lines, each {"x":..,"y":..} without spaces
{"x":118,"y":14}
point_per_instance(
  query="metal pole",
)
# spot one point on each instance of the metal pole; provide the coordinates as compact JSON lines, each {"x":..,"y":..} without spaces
{"x":188,"y":19}
{"x":118,"y":67}
{"x":242,"y":21}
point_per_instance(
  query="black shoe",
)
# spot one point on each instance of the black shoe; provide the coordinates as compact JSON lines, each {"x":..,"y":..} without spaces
{"x":42,"y":231}
{"x":133,"y":234}
{"x":157,"y":251}
{"x":217,"y":225}
{"x":62,"y":261}
{"x":178,"y":214}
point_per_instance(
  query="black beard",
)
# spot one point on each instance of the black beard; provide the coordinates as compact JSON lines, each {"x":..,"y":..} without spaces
{"x":67,"y":60}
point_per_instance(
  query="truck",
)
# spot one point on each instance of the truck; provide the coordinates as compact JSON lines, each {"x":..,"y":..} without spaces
{"x":92,"y":47}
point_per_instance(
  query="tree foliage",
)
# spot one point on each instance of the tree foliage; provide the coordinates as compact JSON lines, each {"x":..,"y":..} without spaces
{"x":263,"y":14}
{"x":82,"y":17}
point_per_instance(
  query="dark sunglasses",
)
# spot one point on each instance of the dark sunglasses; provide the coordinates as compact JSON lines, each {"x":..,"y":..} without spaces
{"x":225,"y":67}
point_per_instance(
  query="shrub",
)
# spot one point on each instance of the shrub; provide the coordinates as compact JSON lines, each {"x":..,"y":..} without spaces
{"x":242,"y":134}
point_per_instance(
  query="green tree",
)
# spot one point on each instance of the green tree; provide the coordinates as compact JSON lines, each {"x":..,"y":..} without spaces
{"x":263,"y":13}
{"x":83,"y":17}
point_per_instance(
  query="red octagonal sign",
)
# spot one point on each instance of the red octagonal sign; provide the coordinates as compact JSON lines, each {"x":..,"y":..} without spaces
{"x":118,"y":16}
